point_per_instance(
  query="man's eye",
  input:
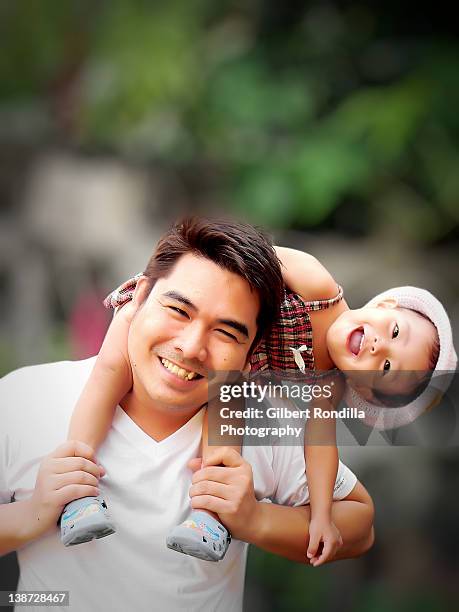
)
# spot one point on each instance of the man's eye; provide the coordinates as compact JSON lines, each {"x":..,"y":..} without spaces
{"x":179,"y":311}
{"x":395,"y":331}
{"x":386,"y":366}
{"x":227,"y":334}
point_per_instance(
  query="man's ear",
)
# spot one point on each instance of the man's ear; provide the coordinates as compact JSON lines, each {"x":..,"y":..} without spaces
{"x":141,"y":291}
{"x":246,"y":369}
{"x":387,"y":303}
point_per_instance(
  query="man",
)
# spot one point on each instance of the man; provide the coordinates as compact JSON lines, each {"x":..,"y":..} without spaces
{"x":209,"y":292}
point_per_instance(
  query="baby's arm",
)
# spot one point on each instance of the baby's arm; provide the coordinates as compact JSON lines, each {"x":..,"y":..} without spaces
{"x":109,"y":381}
{"x":305,"y":275}
{"x":321,"y":457}
{"x":321,"y":469}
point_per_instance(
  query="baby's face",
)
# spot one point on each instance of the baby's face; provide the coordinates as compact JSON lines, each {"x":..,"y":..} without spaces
{"x":387,"y":347}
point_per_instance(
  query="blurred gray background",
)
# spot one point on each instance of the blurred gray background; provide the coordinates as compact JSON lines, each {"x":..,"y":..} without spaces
{"x":332,"y":124}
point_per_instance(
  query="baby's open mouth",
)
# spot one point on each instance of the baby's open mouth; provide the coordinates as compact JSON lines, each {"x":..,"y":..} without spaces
{"x":178,"y":371}
{"x":355,"y":341}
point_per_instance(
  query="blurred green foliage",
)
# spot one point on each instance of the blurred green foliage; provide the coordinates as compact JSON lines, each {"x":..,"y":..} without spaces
{"x":294,"y":110}
{"x":284,"y":585}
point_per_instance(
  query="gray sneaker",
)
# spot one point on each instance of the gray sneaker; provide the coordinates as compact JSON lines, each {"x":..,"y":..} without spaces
{"x":85,"y":519}
{"x":200,"y":536}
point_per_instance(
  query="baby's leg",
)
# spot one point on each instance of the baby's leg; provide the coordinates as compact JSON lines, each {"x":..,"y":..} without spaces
{"x":208,"y":451}
{"x":108,"y":383}
{"x":87,"y":518}
{"x":202,"y":534}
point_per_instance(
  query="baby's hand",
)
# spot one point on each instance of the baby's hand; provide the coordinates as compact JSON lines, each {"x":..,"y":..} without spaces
{"x":323,"y":531}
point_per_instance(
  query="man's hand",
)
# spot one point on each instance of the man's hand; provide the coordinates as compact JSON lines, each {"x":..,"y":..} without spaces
{"x":323,"y":531}
{"x":68,"y":473}
{"x":225,"y":486}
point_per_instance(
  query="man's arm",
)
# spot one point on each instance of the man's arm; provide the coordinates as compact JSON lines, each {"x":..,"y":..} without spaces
{"x":285,"y":531}
{"x":15,"y":526}
{"x":278,"y":529}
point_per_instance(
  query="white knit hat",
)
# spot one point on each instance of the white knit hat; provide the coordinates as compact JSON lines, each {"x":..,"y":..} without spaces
{"x":424,"y":302}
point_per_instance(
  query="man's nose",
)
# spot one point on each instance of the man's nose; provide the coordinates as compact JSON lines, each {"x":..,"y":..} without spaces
{"x":192,"y":342}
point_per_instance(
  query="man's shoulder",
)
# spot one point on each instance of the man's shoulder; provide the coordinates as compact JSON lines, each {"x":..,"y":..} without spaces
{"x":43,"y":383}
{"x":278,"y":472}
{"x":36,"y":404}
{"x":44,"y":371}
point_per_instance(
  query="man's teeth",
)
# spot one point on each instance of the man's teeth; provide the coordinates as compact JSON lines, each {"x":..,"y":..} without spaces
{"x":361,"y":341}
{"x":180,"y":372}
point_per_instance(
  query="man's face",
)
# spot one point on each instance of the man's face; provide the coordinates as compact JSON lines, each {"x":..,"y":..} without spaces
{"x":200,"y":318}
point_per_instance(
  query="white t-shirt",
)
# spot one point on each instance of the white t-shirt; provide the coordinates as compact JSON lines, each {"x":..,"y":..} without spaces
{"x":146,"y":488}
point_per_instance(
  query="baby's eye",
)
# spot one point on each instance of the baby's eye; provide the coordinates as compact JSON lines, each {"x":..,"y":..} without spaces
{"x":395,"y":331}
{"x":386,"y":366}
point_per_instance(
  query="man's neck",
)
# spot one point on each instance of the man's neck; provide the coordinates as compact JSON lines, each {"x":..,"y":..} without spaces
{"x":157,"y":422}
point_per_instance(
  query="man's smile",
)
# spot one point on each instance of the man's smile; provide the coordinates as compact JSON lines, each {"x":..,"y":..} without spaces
{"x":179,"y":371}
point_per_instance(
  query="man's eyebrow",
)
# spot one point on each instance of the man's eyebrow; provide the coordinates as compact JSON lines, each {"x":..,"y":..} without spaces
{"x":178,"y":297}
{"x":237,"y":325}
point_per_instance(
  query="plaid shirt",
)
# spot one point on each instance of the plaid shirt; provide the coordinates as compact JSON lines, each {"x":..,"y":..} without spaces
{"x":275,"y":351}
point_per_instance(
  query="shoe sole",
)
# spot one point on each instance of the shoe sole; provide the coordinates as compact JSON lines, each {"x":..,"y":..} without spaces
{"x":195,"y":547}
{"x":87,"y":530}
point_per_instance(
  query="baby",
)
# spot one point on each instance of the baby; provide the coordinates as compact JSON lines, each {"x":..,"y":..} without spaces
{"x":402,"y":329}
